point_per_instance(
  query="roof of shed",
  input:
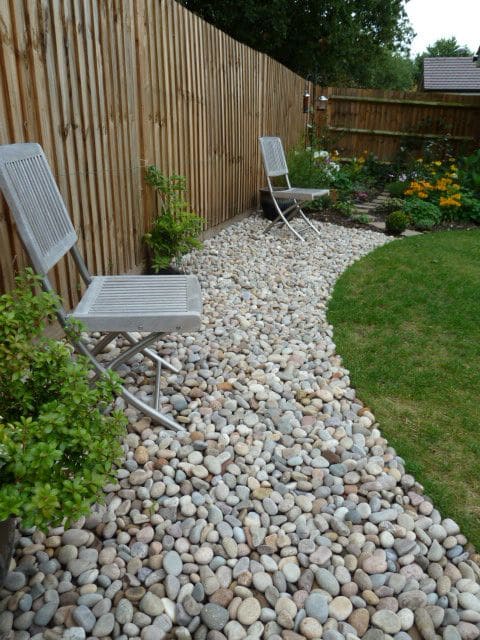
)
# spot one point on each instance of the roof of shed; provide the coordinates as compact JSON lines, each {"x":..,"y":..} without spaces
{"x":450,"y":74}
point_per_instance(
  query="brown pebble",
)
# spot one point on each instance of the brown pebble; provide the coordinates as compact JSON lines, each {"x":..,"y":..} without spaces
{"x":245,"y":579}
{"x":135,"y":594}
{"x":291,"y":635}
{"x":359,"y":619}
{"x":68,"y":598}
{"x":141,"y":455}
{"x":223,"y":597}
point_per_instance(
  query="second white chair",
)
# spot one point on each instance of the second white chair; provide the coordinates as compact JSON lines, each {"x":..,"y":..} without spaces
{"x":275,"y":165}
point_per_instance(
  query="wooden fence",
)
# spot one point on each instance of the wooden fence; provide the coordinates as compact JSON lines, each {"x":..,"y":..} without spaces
{"x":384,"y":121}
{"x":108,"y":86}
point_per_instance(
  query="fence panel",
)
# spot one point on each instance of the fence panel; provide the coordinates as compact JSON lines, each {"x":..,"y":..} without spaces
{"x":384,"y":121}
{"x":108,"y":86}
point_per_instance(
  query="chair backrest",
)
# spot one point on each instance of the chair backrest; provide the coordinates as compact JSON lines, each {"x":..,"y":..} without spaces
{"x":36,"y":204}
{"x":273,"y":156}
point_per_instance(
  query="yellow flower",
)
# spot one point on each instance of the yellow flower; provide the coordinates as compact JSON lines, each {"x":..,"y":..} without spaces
{"x":451,"y":201}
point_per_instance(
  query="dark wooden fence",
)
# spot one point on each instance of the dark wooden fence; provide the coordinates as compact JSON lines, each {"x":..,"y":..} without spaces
{"x":382,"y":122}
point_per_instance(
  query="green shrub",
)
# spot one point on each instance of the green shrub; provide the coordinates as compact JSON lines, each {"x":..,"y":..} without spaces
{"x":424,"y":215}
{"x":396,"y":222}
{"x":311,"y":168}
{"x":57,"y":450}
{"x":469,"y":172}
{"x":391,"y":204}
{"x":176,"y":229}
{"x":363,"y":218}
{"x":470,"y":206}
{"x":396,"y":189}
{"x":345,"y":207}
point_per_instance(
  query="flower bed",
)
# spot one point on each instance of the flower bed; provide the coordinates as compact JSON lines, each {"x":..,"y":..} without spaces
{"x":431,"y":192}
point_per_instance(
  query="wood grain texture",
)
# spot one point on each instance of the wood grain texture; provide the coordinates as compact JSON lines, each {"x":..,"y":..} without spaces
{"x":382,"y":122}
{"x":110,"y":86}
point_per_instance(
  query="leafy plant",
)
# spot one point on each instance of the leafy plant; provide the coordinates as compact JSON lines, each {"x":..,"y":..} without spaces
{"x":424,"y":215}
{"x":363,"y":218}
{"x":309,"y":167}
{"x":396,"y":222}
{"x":57,"y":448}
{"x":176,"y":228}
{"x":345,"y":207}
{"x":470,"y":205}
{"x":397,"y":188}
{"x":469,"y":171}
{"x":389,"y":205}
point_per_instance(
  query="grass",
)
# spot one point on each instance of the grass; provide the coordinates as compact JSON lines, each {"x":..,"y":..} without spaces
{"x":406,"y":320}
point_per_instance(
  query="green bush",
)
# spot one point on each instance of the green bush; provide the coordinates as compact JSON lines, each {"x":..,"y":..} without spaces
{"x":311,"y":168}
{"x":176,"y":229}
{"x":363,"y":218}
{"x":469,"y":172}
{"x":390,"y":204}
{"x":57,"y":449}
{"x":396,"y":222}
{"x":345,"y":207}
{"x":396,"y":189}
{"x":470,"y":206}
{"x":424,"y":215}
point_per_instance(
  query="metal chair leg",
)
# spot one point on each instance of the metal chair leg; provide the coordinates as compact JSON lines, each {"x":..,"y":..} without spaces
{"x":309,"y":222}
{"x":282,"y":218}
{"x":150,"y":411}
{"x":151,"y":354}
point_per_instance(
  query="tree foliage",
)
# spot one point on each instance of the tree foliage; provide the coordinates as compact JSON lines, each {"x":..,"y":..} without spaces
{"x":327,"y":41}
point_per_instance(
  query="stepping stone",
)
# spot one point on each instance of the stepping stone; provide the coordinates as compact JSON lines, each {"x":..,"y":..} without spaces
{"x":411,"y":232}
{"x":378,"y":224}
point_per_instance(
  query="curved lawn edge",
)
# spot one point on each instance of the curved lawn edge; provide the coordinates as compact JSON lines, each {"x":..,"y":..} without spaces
{"x":406,"y":321}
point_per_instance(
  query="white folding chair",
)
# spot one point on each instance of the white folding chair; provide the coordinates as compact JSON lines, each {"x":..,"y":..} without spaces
{"x":114,"y":305}
{"x":275,"y":165}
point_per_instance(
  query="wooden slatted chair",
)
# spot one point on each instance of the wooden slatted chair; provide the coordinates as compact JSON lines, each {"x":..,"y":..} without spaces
{"x":114,"y":305}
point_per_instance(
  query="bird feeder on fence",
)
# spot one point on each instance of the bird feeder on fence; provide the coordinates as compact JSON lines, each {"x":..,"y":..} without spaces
{"x":306,"y":101}
{"x":322,"y":102}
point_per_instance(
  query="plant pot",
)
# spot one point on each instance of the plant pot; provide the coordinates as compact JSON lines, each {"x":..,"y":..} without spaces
{"x":7,"y":544}
{"x":167,"y":271}
{"x":266,"y":202}
{"x":170,"y":271}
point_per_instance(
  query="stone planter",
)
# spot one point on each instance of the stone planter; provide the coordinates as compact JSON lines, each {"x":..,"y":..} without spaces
{"x":7,"y":543}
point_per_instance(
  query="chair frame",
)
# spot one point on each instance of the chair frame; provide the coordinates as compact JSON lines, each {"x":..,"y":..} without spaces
{"x":275,"y":165}
{"x":50,"y":204}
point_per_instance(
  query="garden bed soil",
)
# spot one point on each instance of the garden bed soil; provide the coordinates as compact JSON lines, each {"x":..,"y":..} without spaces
{"x":334,"y":217}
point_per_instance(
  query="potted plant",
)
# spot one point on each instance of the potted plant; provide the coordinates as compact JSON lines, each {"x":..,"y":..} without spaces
{"x":175,"y":230}
{"x":57,"y":446}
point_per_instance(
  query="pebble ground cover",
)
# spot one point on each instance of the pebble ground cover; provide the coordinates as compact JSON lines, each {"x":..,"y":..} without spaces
{"x":280,"y":513}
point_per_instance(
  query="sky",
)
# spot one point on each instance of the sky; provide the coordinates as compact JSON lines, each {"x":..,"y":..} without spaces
{"x":435,"y":19}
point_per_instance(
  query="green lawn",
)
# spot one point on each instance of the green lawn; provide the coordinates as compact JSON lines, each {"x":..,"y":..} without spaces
{"x":406,"y":320}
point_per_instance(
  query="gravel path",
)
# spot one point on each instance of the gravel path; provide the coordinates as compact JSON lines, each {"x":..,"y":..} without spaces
{"x":281,"y":514}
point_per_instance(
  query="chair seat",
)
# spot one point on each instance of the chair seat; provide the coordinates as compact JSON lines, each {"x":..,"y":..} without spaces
{"x":298,"y":193}
{"x":141,"y":303}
